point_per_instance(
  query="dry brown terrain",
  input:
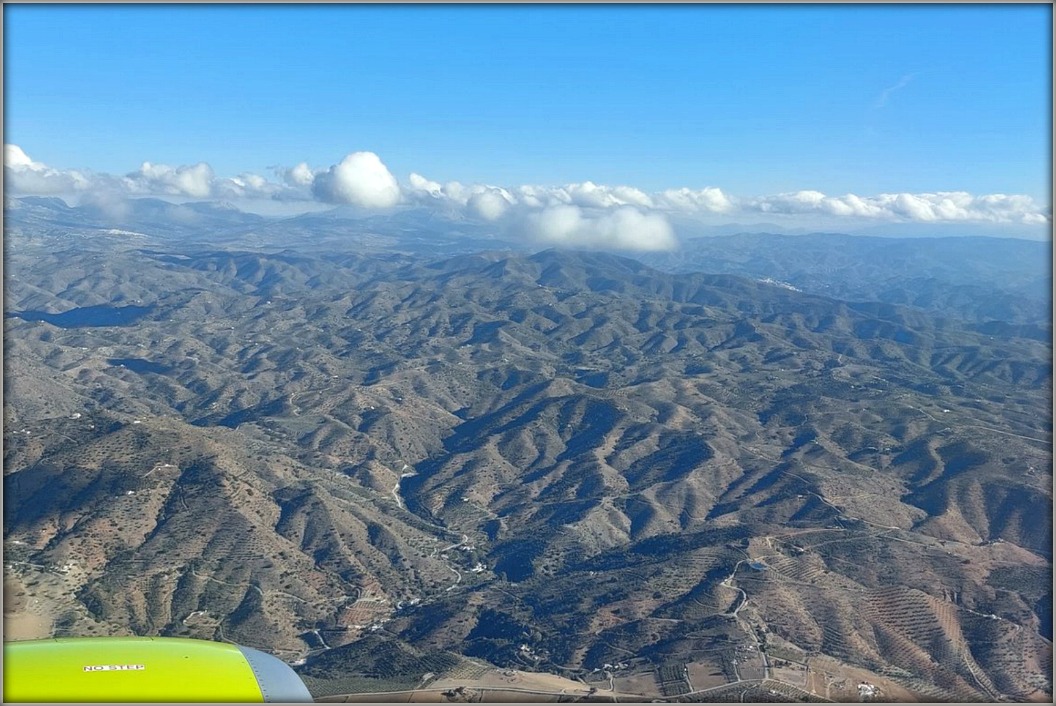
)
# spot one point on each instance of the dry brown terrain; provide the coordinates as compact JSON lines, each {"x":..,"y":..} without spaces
{"x":391,"y":466}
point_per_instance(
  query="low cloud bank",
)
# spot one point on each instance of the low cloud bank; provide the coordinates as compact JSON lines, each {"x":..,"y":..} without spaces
{"x":582,"y":215}
{"x":195,"y":181}
{"x":943,"y":206}
{"x":625,"y":228}
{"x":24,"y":176}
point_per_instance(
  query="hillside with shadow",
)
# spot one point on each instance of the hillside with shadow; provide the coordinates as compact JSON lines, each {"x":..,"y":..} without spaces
{"x":555,"y":462}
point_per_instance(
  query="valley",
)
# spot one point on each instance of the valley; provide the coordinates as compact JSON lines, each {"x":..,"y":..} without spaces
{"x":407,"y":471}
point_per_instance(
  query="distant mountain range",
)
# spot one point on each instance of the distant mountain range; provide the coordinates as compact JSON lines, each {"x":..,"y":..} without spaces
{"x":362,"y":443}
{"x":973,"y":278}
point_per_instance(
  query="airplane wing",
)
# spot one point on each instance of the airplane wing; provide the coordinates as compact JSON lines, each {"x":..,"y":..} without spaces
{"x":145,"y":669}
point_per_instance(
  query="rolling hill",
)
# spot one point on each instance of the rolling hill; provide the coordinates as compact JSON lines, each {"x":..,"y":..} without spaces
{"x":558,"y":462}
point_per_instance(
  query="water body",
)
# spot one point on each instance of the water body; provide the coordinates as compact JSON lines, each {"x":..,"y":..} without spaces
{"x":88,"y":316}
{"x":140,"y":365}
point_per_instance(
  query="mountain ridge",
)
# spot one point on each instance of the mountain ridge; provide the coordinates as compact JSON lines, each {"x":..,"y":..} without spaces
{"x":573,"y":446}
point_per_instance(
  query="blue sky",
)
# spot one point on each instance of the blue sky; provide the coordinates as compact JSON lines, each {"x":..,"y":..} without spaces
{"x":753,"y":100}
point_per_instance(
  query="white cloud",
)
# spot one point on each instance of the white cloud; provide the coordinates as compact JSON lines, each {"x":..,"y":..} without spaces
{"x":632,"y":196}
{"x":490,"y":204}
{"x":586,"y":214}
{"x":195,"y":180}
{"x":250,"y":186}
{"x":586,"y":194}
{"x":797,"y":202}
{"x":360,"y":179}
{"x":24,"y":176}
{"x":852,"y":205}
{"x":43,"y":182}
{"x":943,"y":206}
{"x":590,"y":195}
{"x":423,"y":185}
{"x":624,"y":228}
{"x":15,"y":158}
{"x":533,"y":196}
{"x":954,"y":206}
{"x":457,"y":192}
{"x":913,"y":207}
{"x":301,"y":175}
{"x":111,"y":203}
{"x":709,"y":199}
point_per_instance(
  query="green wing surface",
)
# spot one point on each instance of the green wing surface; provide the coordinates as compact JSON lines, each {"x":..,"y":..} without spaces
{"x":145,"y":669}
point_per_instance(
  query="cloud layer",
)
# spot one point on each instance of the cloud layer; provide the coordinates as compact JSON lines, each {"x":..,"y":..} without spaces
{"x":623,"y":228}
{"x":195,"y":181}
{"x":584,"y":214}
{"x":943,"y":206}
